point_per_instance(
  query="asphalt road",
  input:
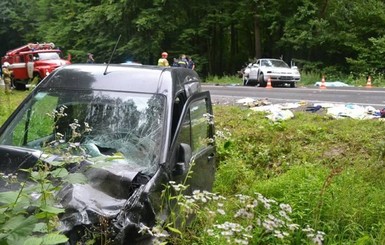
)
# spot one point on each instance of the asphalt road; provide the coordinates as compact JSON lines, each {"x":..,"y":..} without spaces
{"x":355,"y":95}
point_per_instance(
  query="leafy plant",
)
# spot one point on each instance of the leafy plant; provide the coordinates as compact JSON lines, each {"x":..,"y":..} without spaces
{"x":30,"y":210}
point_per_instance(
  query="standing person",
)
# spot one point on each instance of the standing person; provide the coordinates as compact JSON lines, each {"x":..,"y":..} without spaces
{"x":191,"y":63}
{"x":182,"y":62}
{"x":7,"y":75}
{"x":163,"y":60}
{"x":90,"y":59}
{"x":175,"y":62}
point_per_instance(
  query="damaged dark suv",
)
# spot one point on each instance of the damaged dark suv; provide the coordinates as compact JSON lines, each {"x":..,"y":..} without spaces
{"x":133,"y":129}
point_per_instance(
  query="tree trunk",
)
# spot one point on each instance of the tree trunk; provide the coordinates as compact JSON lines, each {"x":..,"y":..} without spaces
{"x":257,"y":37}
{"x":233,"y":47}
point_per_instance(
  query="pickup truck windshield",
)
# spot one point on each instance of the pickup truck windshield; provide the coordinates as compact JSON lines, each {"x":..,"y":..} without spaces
{"x":49,"y":56}
{"x":125,"y":127}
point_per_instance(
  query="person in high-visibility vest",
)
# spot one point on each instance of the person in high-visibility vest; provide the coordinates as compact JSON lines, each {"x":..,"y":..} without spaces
{"x":183,"y":62}
{"x":163,"y":60}
{"x":7,"y":76}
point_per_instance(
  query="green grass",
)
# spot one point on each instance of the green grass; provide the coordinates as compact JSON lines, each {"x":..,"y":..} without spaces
{"x":8,"y":102}
{"x":331,"y":171}
{"x":230,"y":80}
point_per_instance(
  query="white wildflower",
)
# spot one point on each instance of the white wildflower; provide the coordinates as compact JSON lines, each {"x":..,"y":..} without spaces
{"x":210,"y":232}
{"x":285,"y":207}
{"x":241,"y":241}
{"x":284,"y":215}
{"x":278,"y":234}
{"x":318,"y":238}
{"x":293,"y":227}
{"x":244,"y":213}
{"x":308,"y":229}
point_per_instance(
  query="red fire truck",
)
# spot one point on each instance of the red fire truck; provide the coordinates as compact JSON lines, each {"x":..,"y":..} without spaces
{"x":32,"y":62}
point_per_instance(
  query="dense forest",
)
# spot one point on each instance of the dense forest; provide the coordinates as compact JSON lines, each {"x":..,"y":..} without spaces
{"x":346,"y":36}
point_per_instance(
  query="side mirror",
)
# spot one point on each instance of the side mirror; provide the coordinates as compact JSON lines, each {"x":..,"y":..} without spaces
{"x":183,"y":159}
{"x":294,"y":67}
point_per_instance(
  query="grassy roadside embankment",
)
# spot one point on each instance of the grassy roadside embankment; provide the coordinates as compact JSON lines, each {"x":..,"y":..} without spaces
{"x":330,"y":171}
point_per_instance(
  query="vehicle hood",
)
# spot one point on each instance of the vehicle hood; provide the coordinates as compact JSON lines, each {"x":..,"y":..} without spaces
{"x":102,"y":190}
{"x":279,"y":70}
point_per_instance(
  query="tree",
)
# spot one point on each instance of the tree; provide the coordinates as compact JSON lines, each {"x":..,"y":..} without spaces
{"x":220,"y":35}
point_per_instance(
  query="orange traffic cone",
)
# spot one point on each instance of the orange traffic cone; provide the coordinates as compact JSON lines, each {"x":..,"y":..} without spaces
{"x":323,"y":83}
{"x":268,"y":85}
{"x":369,"y":82}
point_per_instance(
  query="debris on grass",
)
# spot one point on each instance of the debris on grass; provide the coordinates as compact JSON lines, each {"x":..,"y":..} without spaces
{"x":284,"y":111}
{"x":333,"y":84}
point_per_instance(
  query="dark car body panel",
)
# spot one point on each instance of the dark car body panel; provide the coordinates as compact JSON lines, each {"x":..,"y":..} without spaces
{"x":126,"y":196}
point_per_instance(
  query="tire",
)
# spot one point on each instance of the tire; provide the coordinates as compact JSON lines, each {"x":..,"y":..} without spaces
{"x":261,"y":80}
{"x":248,"y":82}
{"x":292,"y":85}
{"x":20,"y":85}
{"x":252,"y":83}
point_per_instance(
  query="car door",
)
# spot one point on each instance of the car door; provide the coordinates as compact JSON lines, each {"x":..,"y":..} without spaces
{"x":193,"y":146}
{"x":254,"y":70}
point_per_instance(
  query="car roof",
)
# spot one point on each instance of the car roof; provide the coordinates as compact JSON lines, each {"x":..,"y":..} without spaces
{"x":117,"y":77}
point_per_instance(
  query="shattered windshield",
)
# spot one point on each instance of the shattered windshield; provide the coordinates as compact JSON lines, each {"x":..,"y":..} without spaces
{"x":116,"y":126}
{"x":274,"y":63}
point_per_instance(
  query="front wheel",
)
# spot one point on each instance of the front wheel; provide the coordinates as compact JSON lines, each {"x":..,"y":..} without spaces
{"x":19,"y":85}
{"x":292,"y":85}
{"x":261,"y":80}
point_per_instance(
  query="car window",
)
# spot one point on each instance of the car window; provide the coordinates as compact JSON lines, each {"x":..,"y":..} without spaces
{"x":126,"y":126}
{"x":179,"y":102}
{"x":278,"y":63}
{"x":49,"y":56}
{"x":200,"y":127}
{"x":197,"y":131}
{"x":184,"y":135}
{"x":196,"y":128}
{"x":33,"y":124}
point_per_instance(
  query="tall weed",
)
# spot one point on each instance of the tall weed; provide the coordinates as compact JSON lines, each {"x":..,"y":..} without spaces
{"x":30,"y":209}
